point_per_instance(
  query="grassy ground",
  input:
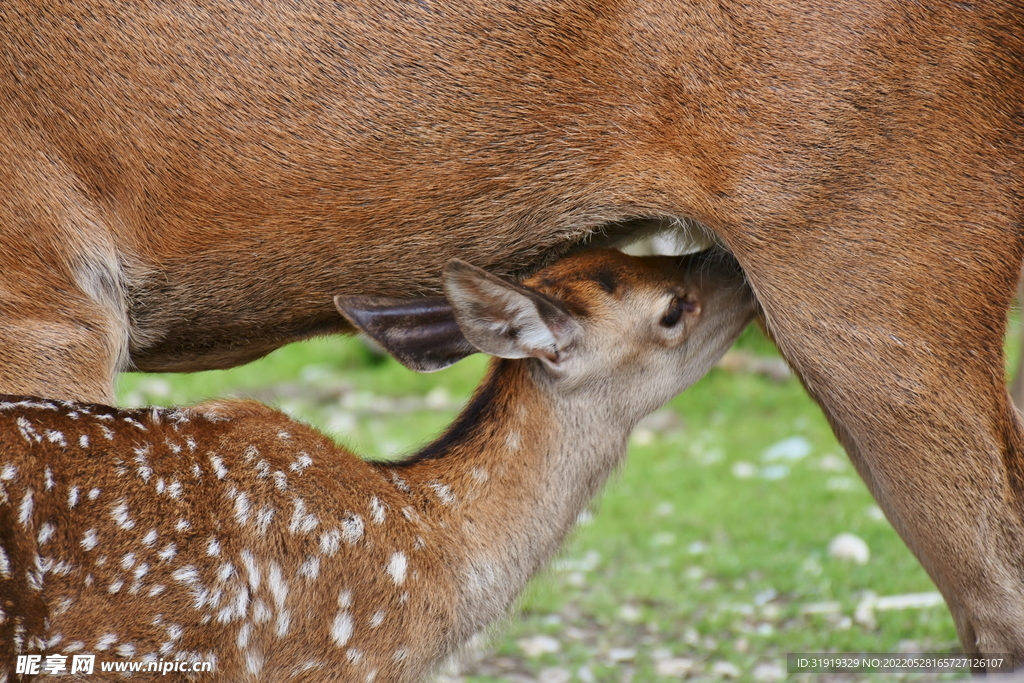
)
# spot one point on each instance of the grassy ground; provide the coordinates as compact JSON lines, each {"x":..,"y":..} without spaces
{"x":706,"y":558}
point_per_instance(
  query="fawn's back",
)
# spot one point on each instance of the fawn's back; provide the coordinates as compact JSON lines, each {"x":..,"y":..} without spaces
{"x":128,"y":508}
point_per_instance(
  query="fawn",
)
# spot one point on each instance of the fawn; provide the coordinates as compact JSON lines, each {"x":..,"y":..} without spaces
{"x":229,"y":533}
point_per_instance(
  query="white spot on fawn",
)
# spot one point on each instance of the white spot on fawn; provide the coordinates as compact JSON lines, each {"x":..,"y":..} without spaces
{"x":253,"y":662}
{"x":377,"y":619}
{"x":183,"y":525}
{"x":218,"y":467}
{"x":263,"y":518}
{"x":260,"y":612}
{"x":300,"y":520}
{"x":45,"y":532}
{"x":400,"y":483}
{"x":27,"y":432}
{"x":135,"y":423}
{"x":243,"y":635}
{"x":377,"y":515}
{"x":396,"y":568}
{"x":341,"y":629}
{"x":310,"y":568}
{"x":352,"y":528}
{"x":226,"y":571}
{"x":105,"y":642}
{"x":213,"y":547}
{"x":302,"y":461}
{"x":9,"y":472}
{"x":90,"y":539}
{"x":187,"y":574}
{"x":443,"y":493}
{"x":5,"y":564}
{"x":48,"y":479}
{"x":94,"y":494}
{"x":330,"y":541}
{"x":168,"y":553}
{"x":251,"y":569}
{"x":345,"y":599}
{"x":284,"y":620}
{"x":242,"y":508}
{"x":150,"y":538}
{"x":120,"y":514}
{"x":56,"y":437}
{"x":72,"y":497}
{"x":83,"y":441}
{"x":25,"y":511}
{"x":278,"y":586}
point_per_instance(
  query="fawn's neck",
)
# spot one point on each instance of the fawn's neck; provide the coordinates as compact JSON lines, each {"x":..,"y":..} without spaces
{"x":513,"y":473}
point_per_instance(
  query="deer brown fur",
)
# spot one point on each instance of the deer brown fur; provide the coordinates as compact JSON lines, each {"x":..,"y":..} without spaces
{"x":229,"y":533}
{"x":187,"y":185}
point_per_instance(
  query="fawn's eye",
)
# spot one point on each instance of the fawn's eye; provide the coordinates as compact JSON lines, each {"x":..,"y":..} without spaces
{"x":676,"y":308}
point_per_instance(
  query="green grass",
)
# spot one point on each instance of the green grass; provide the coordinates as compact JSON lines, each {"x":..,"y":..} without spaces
{"x":682,"y":559}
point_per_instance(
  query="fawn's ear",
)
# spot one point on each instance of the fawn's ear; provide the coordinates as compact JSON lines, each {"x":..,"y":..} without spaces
{"x":504,"y":319}
{"x":421,"y":334}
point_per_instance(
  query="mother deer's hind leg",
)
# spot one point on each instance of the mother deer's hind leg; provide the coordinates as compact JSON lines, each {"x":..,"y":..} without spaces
{"x":904,"y":354}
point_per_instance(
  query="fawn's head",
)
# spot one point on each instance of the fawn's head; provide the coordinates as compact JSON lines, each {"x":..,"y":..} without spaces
{"x":599,"y":318}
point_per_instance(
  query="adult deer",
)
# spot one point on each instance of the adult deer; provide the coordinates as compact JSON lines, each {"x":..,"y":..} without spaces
{"x":229,"y":533}
{"x":186,"y":186}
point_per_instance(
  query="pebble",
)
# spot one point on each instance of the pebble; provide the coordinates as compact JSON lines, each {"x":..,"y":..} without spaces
{"x":673,"y":667}
{"x":536,"y":646}
{"x":725,"y":670}
{"x":840,"y":484}
{"x":437,"y":399}
{"x":643,"y":437}
{"x":768,"y":673}
{"x":849,"y":547}
{"x":554,"y":675}
{"x":774,"y":472}
{"x":630,"y":613}
{"x":743,"y":470}
{"x":622,"y":654}
{"x":790,"y":450}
